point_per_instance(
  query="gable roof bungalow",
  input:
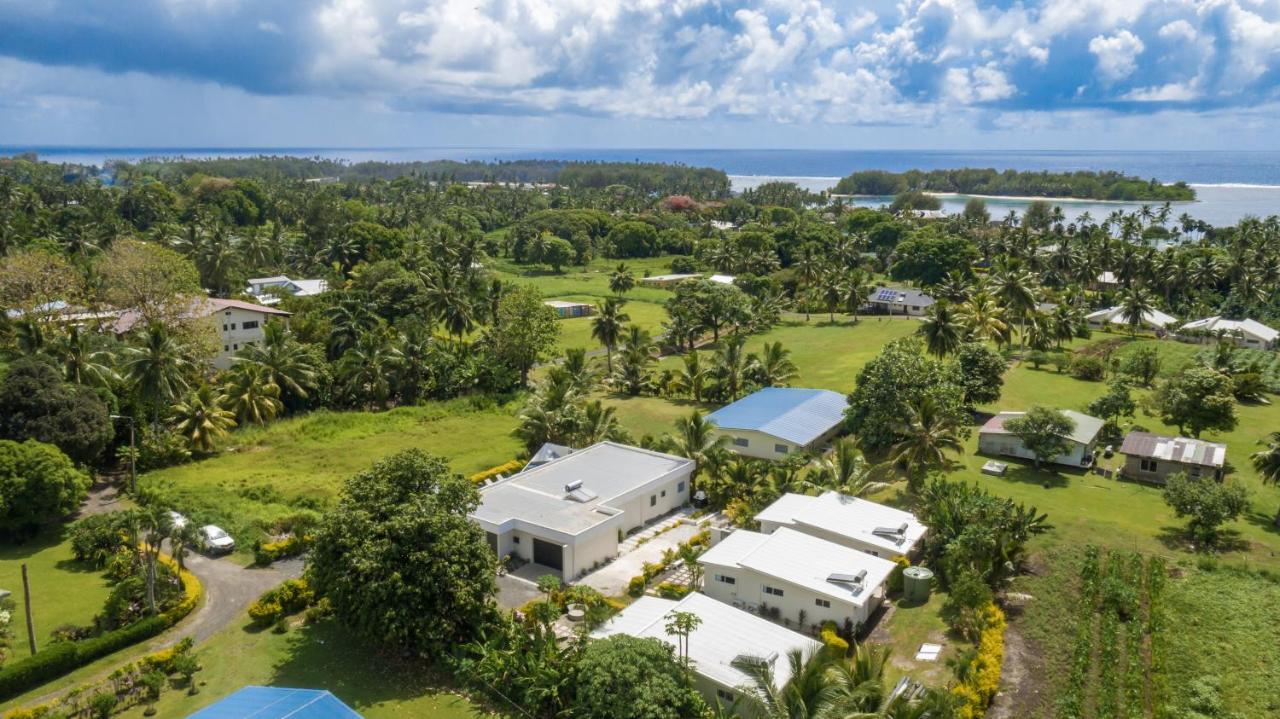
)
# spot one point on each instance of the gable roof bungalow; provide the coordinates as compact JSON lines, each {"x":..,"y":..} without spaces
{"x":1247,"y":333}
{"x":789,"y":571}
{"x":239,"y":324}
{"x":567,"y":513}
{"x":899,"y":301}
{"x":277,"y":703}
{"x":724,"y":635}
{"x":866,"y":526}
{"x":994,"y":439}
{"x":1117,"y":317}
{"x":1153,"y":457}
{"x":775,"y":421}
{"x":668,"y":280}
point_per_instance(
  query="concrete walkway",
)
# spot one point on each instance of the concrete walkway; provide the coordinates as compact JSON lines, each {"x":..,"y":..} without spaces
{"x":611,"y":580}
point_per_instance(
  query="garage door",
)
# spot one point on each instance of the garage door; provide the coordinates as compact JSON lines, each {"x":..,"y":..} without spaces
{"x":548,"y":554}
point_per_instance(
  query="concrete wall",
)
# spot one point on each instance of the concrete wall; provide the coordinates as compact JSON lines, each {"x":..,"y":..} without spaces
{"x":1010,"y":446}
{"x":759,"y":444}
{"x":748,"y":593}
{"x":654,"y":501}
{"x":1132,"y":469}
{"x":229,"y":324}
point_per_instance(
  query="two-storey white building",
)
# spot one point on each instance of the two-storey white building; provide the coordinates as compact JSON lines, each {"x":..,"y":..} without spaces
{"x":238,"y":324}
{"x":876,"y":529}
{"x":788,"y":572}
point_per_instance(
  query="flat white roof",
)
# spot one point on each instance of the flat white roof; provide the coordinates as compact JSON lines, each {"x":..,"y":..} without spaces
{"x":668,"y":278}
{"x":725,"y":634}
{"x":605,"y":471}
{"x":802,"y":560}
{"x":846,"y":516}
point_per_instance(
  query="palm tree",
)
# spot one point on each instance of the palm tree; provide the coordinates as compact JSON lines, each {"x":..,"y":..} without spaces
{"x":773,"y":366}
{"x":942,"y":330}
{"x":606,"y":328}
{"x":367,"y":369}
{"x":349,"y":318}
{"x":847,"y":471}
{"x":1016,"y":288}
{"x":857,"y":685}
{"x":84,"y":360}
{"x":285,"y":362}
{"x":1267,"y":463}
{"x":691,"y":378}
{"x":598,"y":422}
{"x":449,"y":301}
{"x":984,"y":319}
{"x":250,"y":394}
{"x":622,"y":280}
{"x":634,"y":361}
{"x":808,"y":268}
{"x":833,"y":292}
{"x":1136,"y":304}
{"x":857,"y":287}
{"x":806,"y":694}
{"x":927,"y":435}
{"x":201,"y":421}
{"x":696,"y":439}
{"x":158,"y":366}
{"x":731,"y":368}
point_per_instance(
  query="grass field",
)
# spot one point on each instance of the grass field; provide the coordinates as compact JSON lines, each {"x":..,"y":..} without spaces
{"x":63,"y":591}
{"x":912,"y":625}
{"x":302,"y":462}
{"x":576,"y":331}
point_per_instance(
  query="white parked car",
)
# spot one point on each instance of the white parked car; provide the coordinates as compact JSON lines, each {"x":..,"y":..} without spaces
{"x":177,"y":520}
{"x":214,"y":540}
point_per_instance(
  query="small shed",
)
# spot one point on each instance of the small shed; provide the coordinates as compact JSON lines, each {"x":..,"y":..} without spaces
{"x":994,"y":439}
{"x":1152,"y":457}
{"x":566,"y":308}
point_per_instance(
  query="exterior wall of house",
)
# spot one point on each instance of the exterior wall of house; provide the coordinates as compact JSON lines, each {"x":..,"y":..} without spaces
{"x":747,"y":591}
{"x":1010,"y":446}
{"x":1243,"y":341}
{"x":230,"y":323}
{"x":758,"y":444}
{"x":653,"y":501}
{"x":1158,"y":471}
{"x":899,"y":308}
{"x":767,"y":527}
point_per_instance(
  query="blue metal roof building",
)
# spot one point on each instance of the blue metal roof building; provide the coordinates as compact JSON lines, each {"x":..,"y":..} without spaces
{"x":278,"y":703}
{"x":798,"y":416}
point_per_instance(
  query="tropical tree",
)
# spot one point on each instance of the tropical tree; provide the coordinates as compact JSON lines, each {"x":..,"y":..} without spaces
{"x":349,"y":319}
{"x":1016,"y":288}
{"x":250,"y":394}
{"x":1136,"y":303}
{"x":731,"y":369}
{"x":695,"y":438}
{"x":284,"y":362}
{"x":846,"y":470}
{"x":201,"y":421}
{"x":1044,"y":431}
{"x":1267,"y":463}
{"x":680,"y":625}
{"x":634,"y":361}
{"x":366,"y":370}
{"x":805,"y":695}
{"x":984,"y":319}
{"x":773,"y":366}
{"x":857,"y":685}
{"x":622,"y":280}
{"x":691,"y":377}
{"x":450,"y":302}
{"x":158,"y":366}
{"x":927,"y":434}
{"x":607,"y":326}
{"x":832,"y":291}
{"x":942,"y":330}
{"x":84,"y":360}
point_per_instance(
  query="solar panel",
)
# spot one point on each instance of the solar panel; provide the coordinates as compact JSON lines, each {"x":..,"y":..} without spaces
{"x":887,"y":295}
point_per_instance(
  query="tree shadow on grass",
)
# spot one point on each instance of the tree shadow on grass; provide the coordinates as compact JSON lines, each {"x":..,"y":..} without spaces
{"x":1176,"y":538}
{"x":77,"y":566}
{"x":1262,"y":520}
{"x":51,"y":536}
{"x":1025,"y":474}
{"x":328,"y":656}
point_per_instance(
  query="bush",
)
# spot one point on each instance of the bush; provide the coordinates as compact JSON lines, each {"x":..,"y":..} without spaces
{"x":264,"y":614}
{"x":982,"y":679}
{"x":1088,"y":368}
{"x":636,"y":586}
{"x":291,"y":597}
{"x":96,"y":538}
{"x":504,"y":469}
{"x":683,"y":265}
{"x":668,"y":590}
{"x":291,"y":546}
{"x":831,"y":638}
{"x":900,"y":563}
{"x":38,"y":484}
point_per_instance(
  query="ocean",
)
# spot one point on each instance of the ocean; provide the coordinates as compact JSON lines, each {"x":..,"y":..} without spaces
{"x":1229,"y":185}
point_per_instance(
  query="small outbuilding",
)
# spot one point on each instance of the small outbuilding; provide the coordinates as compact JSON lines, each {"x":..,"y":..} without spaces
{"x":776,"y":421}
{"x":1153,"y":457}
{"x":668,"y":280}
{"x":566,"y":309}
{"x":866,"y":526}
{"x":1249,"y":334}
{"x":994,"y":439}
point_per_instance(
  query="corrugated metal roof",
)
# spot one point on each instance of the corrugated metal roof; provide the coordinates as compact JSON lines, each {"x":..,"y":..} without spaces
{"x":277,"y":703}
{"x":1245,"y":326}
{"x":1085,"y":431}
{"x":796,"y":415}
{"x":724,"y":634}
{"x":1182,"y":450}
{"x":900,"y":295}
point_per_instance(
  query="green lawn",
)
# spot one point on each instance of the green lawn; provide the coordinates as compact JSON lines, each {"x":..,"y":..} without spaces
{"x":302,"y":462}
{"x":63,"y":591}
{"x":576,"y":331}
{"x":912,"y":625}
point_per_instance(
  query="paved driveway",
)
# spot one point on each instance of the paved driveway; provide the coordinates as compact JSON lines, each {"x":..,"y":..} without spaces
{"x":611,"y":580}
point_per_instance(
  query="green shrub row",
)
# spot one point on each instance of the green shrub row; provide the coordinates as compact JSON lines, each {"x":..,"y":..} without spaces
{"x":266,"y":553}
{"x":291,"y":597}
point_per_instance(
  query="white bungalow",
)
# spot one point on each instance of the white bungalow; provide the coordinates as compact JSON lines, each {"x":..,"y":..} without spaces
{"x":1249,"y":334}
{"x":1117,"y":317}
{"x":866,"y":526}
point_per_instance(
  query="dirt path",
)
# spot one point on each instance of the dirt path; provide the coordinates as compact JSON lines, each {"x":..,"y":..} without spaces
{"x":1018,"y":694}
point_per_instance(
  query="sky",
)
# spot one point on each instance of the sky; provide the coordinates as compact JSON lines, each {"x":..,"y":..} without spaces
{"x":912,"y":74}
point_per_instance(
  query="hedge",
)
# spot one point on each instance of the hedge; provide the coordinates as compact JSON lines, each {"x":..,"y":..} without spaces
{"x":59,"y":659}
{"x":291,"y":546}
{"x":292,"y":596}
{"x":504,"y":468}
{"x":982,"y":681}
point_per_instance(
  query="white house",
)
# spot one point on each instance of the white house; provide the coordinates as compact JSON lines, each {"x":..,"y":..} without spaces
{"x":1249,"y":334}
{"x":1117,"y":317}
{"x":238,"y":324}
{"x":876,"y":529}
{"x":900,"y":301}
{"x":788,"y":572}
{"x":994,"y":439}
{"x":269,"y":290}
{"x":724,"y":635}
{"x":776,"y":421}
{"x":668,"y":280}
{"x":568,"y":513}
{"x":722,"y":279}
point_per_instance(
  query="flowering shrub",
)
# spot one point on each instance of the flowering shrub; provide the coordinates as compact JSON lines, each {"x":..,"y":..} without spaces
{"x":982,"y":680}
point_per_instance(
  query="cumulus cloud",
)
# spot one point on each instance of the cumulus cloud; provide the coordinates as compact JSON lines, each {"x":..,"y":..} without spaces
{"x":773,"y":60}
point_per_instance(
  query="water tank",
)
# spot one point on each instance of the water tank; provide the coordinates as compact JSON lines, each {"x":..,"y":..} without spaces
{"x":916,"y":584}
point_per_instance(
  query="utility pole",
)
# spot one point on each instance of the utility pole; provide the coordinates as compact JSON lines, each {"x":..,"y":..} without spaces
{"x":26,"y":599}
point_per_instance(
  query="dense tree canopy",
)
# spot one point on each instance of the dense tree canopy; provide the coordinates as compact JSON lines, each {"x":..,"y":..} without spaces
{"x":626,"y":677}
{"x":38,"y":484}
{"x":899,"y":377}
{"x":36,"y":403}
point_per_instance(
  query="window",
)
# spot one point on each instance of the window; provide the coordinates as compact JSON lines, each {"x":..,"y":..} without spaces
{"x":515,"y":539}
{"x":664,"y":492}
{"x":226,"y":348}
{"x":1148,"y":465}
{"x":780,"y":448}
{"x":822,"y":603}
{"x":235,"y":347}
{"x":653,"y":500}
{"x":724,"y":579}
{"x":740,"y":442}
{"x":250,"y":325}
{"x":680,"y":487}
{"x":224,"y":326}
{"x":724,"y":695}
{"x":772,"y":590}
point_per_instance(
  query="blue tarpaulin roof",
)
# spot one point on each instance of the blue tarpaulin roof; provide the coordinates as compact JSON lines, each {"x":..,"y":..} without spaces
{"x":796,"y":415}
{"x":278,"y":703}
